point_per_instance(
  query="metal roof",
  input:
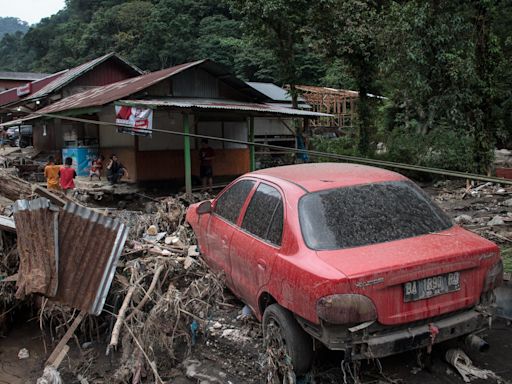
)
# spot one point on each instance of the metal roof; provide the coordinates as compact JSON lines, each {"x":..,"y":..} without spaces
{"x":10,"y":96}
{"x":74,"y":73}
{"x":273,"y":92}
{"x":90,"y":245}
{"x":22,"y":76}
{"x":222,"y":105}
{"x":108,"y":93}
{"x":37,"y":232}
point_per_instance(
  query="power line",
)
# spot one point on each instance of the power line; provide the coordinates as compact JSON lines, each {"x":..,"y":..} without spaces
{"x":354,"y":159}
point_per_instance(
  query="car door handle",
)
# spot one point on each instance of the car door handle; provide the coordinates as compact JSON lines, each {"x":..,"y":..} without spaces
{"x":262,"y":264}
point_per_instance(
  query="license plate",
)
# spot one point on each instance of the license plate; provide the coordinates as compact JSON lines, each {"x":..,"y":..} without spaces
{"x":431,"y":286}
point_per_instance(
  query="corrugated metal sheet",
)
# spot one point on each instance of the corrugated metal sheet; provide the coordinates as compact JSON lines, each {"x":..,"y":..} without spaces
{"x":111,"y":92}
{"x":36,"y":224}
{"x":116,"y":91}
{"x":90,"y":245}
{"x":229,"y":105}
{"x":10,"y":96}
{"x":23,"y":76}
{"x":273,"y":91}
{"x":74,"y":73}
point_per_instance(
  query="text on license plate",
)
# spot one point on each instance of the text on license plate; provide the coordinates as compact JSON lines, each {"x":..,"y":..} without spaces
{"x":431,"y":286}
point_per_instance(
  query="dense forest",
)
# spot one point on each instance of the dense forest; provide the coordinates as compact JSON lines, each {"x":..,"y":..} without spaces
{"x":443,"y":66}
{"x":12,"y":25}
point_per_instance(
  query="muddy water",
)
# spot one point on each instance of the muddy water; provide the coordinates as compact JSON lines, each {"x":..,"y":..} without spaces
{"x":14,"y":370}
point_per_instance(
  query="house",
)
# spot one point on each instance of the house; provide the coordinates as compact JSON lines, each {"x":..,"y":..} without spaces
{"x":199,"y":98}
{"x":276,"y":130}
{"x":10,"y":80}
{"x":44,"y":91}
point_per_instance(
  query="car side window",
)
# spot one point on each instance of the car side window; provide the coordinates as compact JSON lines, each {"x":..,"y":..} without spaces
{"x":229,"y":204}
{"x":264,"y":215}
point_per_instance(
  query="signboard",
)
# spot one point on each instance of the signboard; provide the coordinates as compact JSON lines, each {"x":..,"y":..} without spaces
{"x":138,"y":121}
{"x":24,"y":89}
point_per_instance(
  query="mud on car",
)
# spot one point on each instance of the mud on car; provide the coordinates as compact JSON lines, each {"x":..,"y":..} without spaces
{"x":354,"y":257}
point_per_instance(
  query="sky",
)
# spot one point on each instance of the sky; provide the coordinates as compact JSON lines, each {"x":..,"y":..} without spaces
{"x":30,"y":10}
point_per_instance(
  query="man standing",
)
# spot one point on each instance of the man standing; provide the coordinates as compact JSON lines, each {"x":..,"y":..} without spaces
{"x":206,"y":155}
{"x":51,"y":172}
{"x":115,"y":170}
{"x":67,"y":174}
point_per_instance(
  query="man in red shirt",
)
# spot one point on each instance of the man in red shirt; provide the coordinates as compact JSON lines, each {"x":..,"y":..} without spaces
{"x":67,"y":174}
{"x":206,"y":155}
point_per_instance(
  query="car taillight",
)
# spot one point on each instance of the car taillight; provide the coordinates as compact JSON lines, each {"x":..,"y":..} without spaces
{"x":494,"y":277}
{"x":346,"y":309}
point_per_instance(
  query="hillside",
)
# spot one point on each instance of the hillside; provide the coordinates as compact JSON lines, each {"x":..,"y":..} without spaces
{"x":12,"y":25}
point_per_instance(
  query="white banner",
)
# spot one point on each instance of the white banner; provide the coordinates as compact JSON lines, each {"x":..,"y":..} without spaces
{"x":138,"y":121}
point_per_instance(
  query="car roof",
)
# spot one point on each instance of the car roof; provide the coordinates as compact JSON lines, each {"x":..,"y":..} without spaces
{"x":319,"y":176}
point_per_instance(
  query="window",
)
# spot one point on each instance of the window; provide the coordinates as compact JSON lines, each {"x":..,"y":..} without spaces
{"x":264,"y":215}
{"x":230,"y":203}
{"x":368,"y":214}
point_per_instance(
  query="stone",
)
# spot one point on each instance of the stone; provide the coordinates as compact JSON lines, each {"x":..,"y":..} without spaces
{"x":152,"y":230}
{"x":463,"y":219}
{"x":496,"y":220}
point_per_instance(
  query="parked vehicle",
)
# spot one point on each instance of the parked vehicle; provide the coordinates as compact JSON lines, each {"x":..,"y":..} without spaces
{"x":20,"y":136}
{"x":355,"y":257}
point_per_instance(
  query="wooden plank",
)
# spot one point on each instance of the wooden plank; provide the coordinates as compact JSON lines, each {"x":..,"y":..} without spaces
{"x":62,"y":354}
{"x":62,"y":343}
{"x":7,"y":224}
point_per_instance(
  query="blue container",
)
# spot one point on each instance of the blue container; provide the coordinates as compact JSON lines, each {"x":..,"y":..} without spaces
{"x":82,"y":158}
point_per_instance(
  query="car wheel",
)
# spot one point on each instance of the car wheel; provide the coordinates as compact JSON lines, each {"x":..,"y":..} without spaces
{"x":280,"y":329}
{"x":22,"y":144}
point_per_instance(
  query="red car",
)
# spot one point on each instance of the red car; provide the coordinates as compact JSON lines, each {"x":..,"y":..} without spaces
{"x":355,"y":257}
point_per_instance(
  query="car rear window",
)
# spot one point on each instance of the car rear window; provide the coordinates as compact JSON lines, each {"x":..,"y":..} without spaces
{"x":368,"y":214}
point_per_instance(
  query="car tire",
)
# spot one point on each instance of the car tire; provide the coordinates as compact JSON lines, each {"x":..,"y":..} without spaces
{"x":298,"y":344}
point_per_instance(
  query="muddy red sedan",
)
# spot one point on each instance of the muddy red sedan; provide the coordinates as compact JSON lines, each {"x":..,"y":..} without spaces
{"x":354,"y":257}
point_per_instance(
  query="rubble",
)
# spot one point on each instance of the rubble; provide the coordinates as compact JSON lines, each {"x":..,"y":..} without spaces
{"x":168,"y":318}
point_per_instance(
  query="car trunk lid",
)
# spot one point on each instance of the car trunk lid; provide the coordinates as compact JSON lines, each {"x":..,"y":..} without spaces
{"x":381,"y":272}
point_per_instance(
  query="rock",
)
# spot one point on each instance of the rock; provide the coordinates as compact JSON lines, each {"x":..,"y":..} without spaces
{"x":152,"y":230}
{"x":496,"y":220}
{"x":217,"y":325}
{"x":463,"y":219}
{"x":192,"y":251}
{"x":187,"y":263}
{"x":507,"y":203}
{"x":23,"y":354}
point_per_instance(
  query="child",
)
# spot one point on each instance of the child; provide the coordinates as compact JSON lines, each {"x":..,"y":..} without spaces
{"x":96,"y":167}
{"x":67,"y":174}
{"x":51,"y":172}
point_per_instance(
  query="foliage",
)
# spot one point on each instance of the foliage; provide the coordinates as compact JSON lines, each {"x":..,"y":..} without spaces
{"x":12,"y":25}
{"x":344,"y":145}
{"x":444,"y":66}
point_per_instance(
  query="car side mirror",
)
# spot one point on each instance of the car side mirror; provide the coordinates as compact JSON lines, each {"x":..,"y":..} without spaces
{"x":204,"y":207}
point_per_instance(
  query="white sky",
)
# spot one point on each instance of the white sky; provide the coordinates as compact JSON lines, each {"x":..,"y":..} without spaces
{"x":30,"y":10}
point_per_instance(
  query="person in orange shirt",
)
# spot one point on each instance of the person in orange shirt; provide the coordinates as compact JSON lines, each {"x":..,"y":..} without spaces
{"x":51,"y":172}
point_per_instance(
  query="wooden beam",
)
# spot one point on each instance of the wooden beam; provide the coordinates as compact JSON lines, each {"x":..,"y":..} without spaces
{"x":56,"y":354}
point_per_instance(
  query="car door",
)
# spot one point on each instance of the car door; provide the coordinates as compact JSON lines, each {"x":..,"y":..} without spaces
{"x":222,"y":224}
{"x":254,"y":247}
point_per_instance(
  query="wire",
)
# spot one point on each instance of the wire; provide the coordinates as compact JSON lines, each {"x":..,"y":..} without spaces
{"x":354,"y":159}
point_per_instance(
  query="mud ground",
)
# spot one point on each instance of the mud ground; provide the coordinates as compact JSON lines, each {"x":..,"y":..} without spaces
{"x":232,"y":350}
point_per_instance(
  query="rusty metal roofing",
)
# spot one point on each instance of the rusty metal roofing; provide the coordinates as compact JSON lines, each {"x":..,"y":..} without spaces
{"x":10,"y":96}
{"x":37,"y":232}
{"x":90,"y":245}
{"x":223,"y":104}
{"x":108,"y":93}
{"x":74,"y":73}
{"x":22,"y":76}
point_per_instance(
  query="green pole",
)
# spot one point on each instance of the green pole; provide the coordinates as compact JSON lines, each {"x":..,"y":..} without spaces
{"x":186,"y":148}
{"x":251,"y":147}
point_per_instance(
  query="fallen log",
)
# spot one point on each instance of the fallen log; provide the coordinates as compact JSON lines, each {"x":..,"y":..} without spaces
{"x":12,"y":187}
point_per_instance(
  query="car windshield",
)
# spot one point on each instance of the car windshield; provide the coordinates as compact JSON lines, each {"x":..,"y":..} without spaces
{"x":368,"y":214}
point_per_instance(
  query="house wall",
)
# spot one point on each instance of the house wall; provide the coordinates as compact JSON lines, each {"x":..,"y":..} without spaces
{"x":272,"y":126}
{"x":8,"y":84}
{"x":121,"y":144}
{"x":161,"y":156}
